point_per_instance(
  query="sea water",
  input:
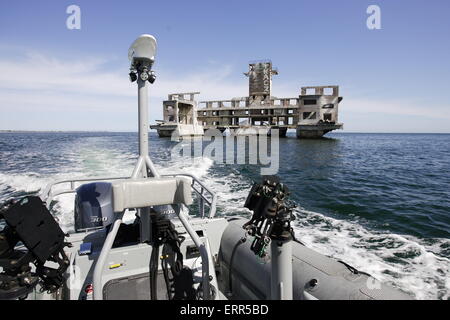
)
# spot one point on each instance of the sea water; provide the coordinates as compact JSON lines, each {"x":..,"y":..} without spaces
{"x":379,"y":202}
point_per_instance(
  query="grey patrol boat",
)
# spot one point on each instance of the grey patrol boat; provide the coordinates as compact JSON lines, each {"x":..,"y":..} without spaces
{"x":176,"y":247}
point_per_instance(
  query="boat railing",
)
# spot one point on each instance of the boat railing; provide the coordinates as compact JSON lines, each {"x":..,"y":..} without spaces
{"x":206,"y":198}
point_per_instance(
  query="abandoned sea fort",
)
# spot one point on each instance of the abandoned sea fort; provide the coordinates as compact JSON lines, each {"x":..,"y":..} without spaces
{"x":313,"y":113}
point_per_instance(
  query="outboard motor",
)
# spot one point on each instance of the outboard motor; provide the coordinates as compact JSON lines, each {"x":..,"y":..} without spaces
{"x":93,"y":206}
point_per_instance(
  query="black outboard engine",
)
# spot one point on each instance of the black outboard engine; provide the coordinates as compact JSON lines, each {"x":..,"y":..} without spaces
{"x":93,"y":206}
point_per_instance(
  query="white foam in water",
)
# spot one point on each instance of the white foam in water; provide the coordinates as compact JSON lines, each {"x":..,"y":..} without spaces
{"x":399,"y":260}
{"x":30,"y":182}
{"x":403,"y":261}
{"x":199,"y":167}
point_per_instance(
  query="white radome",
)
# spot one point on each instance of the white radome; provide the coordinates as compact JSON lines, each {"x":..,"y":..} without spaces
{"x":144,"y":47}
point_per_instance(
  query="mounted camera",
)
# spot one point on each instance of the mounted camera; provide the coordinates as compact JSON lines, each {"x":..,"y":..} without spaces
{"x":272,"y":215}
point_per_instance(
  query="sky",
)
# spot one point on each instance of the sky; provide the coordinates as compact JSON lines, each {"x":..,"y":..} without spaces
{"x":393,"y":79}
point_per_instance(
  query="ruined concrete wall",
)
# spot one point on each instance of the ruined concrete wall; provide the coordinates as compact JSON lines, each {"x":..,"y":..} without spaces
{"x":319,"y":104}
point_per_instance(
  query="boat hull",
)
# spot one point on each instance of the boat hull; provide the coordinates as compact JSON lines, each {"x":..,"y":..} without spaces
{"x":315,"y":276}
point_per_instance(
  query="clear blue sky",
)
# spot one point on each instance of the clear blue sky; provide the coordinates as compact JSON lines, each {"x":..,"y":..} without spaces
{"x":393,"y":80}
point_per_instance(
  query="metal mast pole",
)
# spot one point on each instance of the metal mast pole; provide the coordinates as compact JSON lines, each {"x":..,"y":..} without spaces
{"x":281,"y":279}
{"x":144,"y":166}
{"x":143,"y":119}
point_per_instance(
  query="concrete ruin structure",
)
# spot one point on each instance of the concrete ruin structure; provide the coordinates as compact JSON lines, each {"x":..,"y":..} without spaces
{"x":313,"y":113}
{"x":180,"y":116}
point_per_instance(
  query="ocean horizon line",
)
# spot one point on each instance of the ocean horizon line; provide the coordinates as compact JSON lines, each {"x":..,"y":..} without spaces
{"x":151,"y":130}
